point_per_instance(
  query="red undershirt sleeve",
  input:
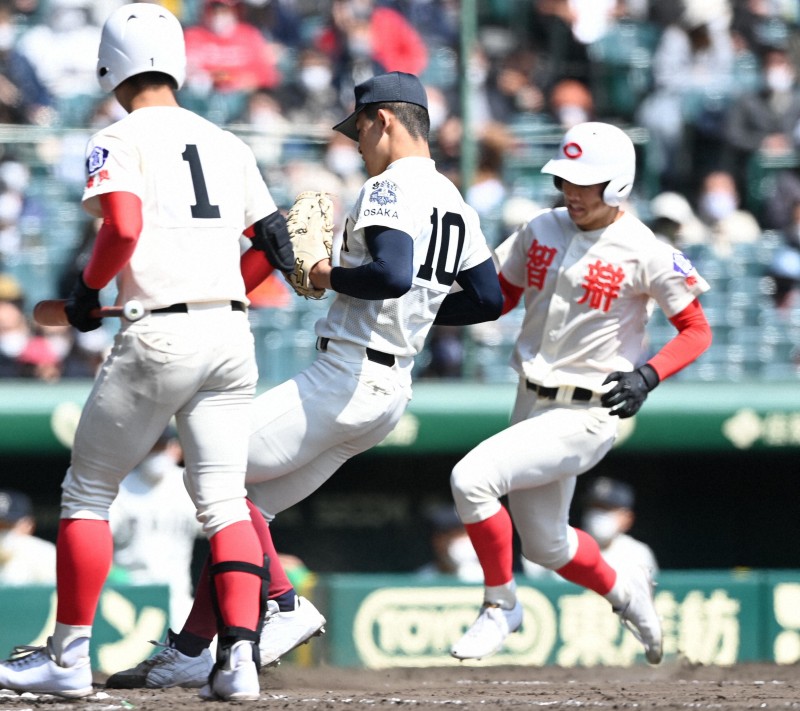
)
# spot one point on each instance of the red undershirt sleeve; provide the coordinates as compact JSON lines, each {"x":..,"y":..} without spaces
{"x":511,"y":294}
{"x":116,"y":239}
{"x":255,"y":268}
{"x":693,"y":338}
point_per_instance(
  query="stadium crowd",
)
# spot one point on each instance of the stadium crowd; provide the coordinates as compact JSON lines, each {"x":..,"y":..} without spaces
{"x":708,"y":89}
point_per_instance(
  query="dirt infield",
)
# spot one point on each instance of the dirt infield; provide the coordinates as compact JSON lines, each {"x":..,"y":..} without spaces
{"x":670,"y":686}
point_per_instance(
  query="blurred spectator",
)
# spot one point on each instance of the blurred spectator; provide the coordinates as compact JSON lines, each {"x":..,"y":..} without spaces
{"x":694,"y":73}
{"x":263,"y":115}
{"x":762,"y":121}
{"x":778,"y":203}
{"x":363,"y":39}
{"x":608,"y":515}
{"x":343,"y":159}
{"x":488,"y":190}
{"x":551,"y":32}
{"x":57,"y":48}
{"x":674,"y":221}
{"x":154,"y":526}
{"x":310,"y":98}
{"x":225,"y":54}
{"x":25,"y":559}
{"x":444,"y":351}
{"x":14,"y":336}
{"x":24,"y":99}
{"x":513,"y":89}
{"x":20,"y":214}
{"x":280,"y":21}
{"x":570,"y":102}
{"x":718,"y":206}
{"x":784,"y":269}
{"x":452,"y":551}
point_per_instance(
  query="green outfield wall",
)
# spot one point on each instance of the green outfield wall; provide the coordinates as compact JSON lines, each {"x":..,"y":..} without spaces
{"x":382,"y":621}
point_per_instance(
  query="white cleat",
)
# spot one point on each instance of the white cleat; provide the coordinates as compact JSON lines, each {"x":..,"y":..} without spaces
{"x":34,"y":670}
{"x":283,"y":631}
{"x":235,"y":678}
{"x":488,"y":632}
{"x":165,"y":669}
{"x":640,"y":615}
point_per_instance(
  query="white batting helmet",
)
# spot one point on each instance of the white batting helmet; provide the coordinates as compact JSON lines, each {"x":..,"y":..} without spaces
{"x":592,"y":153}
{"x":137,"y":38}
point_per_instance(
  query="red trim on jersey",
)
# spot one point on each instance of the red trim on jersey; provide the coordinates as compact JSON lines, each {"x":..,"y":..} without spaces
{"x":117,"y":238}
{"x":511,"y":294}
{"x":255,"y":268}
{"x":694,"y":337}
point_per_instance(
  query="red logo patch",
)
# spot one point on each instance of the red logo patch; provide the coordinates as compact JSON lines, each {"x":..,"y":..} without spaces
{"x":573,"y":150}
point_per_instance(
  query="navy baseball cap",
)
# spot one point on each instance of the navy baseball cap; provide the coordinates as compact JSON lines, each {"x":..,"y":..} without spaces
{"x":609,"y":493}
{"x":14,"y":505}
{"x":394,"y":86}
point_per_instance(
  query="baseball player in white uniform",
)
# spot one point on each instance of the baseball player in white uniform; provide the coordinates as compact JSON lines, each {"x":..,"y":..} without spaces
{"x":588,"y":273}
{"x":409,"y":238}
{"x":175,"y":194}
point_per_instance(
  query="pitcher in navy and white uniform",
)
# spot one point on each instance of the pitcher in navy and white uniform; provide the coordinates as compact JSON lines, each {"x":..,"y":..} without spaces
{"x":589,"y":274}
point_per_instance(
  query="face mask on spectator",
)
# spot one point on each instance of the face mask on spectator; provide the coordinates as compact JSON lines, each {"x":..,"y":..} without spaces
{"x":7,"y":36}
{"x":600,"y":525}
{"x":343,"y":160}
{"x":315,"y":78}
{"x":717,"y":205}
{"x":13,"y":343}
{"x":223,"y":23}
{"x":780,"y":78}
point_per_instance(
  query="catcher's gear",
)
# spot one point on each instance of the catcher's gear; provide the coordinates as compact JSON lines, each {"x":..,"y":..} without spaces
{"x":631,"y":390}
{"x":271,"y":237}
{"x":310,"y":225}
{"x":81,"y":301}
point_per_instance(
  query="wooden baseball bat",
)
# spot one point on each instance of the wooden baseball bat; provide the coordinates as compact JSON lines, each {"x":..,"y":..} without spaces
{"x":50,"y":312}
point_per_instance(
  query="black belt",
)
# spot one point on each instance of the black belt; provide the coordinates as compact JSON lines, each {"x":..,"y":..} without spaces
{"x":184,"y":308}
{"x":386,"y":359}
{"x":580,"y":394}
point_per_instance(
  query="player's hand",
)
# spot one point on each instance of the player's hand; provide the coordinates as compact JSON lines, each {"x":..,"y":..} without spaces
{"x":272,"y":238}
{"x":631,"y":390}
{"x":80,"y":303}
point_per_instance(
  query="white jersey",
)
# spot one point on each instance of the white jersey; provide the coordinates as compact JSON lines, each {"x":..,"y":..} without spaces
{"x":200,"y":189}
{"x":411,"y":196}
{"x":588,"y":296}
{"x":26,"y":560}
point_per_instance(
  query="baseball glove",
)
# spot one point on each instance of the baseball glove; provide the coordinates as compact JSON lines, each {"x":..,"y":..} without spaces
{"x":310,"y":225}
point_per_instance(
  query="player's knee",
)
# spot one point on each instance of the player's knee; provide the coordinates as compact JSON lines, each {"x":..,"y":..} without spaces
{"x":545,"y":550}
{"x":474,"y":496}
{"x":221,"y":514}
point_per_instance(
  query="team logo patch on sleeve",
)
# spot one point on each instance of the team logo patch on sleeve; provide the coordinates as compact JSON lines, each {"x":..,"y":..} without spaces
{"x":384,"y":192}
{"x":96,"y":160}
{"x":681,"y":263}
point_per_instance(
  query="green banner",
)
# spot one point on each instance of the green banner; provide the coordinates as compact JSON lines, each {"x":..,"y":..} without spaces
{"x":128,"y":617}
{"x":718,"y":618}
{"x":443,"y":418}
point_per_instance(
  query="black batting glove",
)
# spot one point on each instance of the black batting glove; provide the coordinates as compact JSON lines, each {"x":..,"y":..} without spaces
{"x":272,"y":238}
{"x":631,"y":390}
{"x":80,"y":303}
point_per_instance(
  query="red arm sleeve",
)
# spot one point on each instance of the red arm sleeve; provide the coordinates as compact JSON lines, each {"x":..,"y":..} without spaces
{"x":116,"y":239}
{"x":255,"y":268}
{"x":511,"y":294}
{"x":693,"y":338}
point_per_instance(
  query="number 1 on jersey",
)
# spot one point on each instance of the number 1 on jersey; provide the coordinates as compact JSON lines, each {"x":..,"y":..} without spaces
{"x":203,"y":207}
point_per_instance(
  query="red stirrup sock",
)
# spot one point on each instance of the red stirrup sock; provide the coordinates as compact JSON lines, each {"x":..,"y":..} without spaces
{"x":492,"y":540}
{"x":238,"y":592}
{"x":588,"y":567}
{"x":278,"y":580}
{"x":201,"y":621}
{"x":84,"y":549}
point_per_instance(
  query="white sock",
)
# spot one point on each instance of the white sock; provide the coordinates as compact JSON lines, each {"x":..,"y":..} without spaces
{"x":503,"y":595}
{"x":70,"y":643}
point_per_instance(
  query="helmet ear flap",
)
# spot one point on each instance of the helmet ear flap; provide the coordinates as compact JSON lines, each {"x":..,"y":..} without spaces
{"x":617,"y":190}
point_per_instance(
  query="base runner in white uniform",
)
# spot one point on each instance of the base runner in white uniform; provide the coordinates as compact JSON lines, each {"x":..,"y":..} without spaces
{"x":588,"y":273}
{"x":409,"y":238}
{"x":176,"y":194}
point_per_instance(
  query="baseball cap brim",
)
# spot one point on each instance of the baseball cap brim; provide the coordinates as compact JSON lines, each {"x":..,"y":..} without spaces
{"x":348,"y":126}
